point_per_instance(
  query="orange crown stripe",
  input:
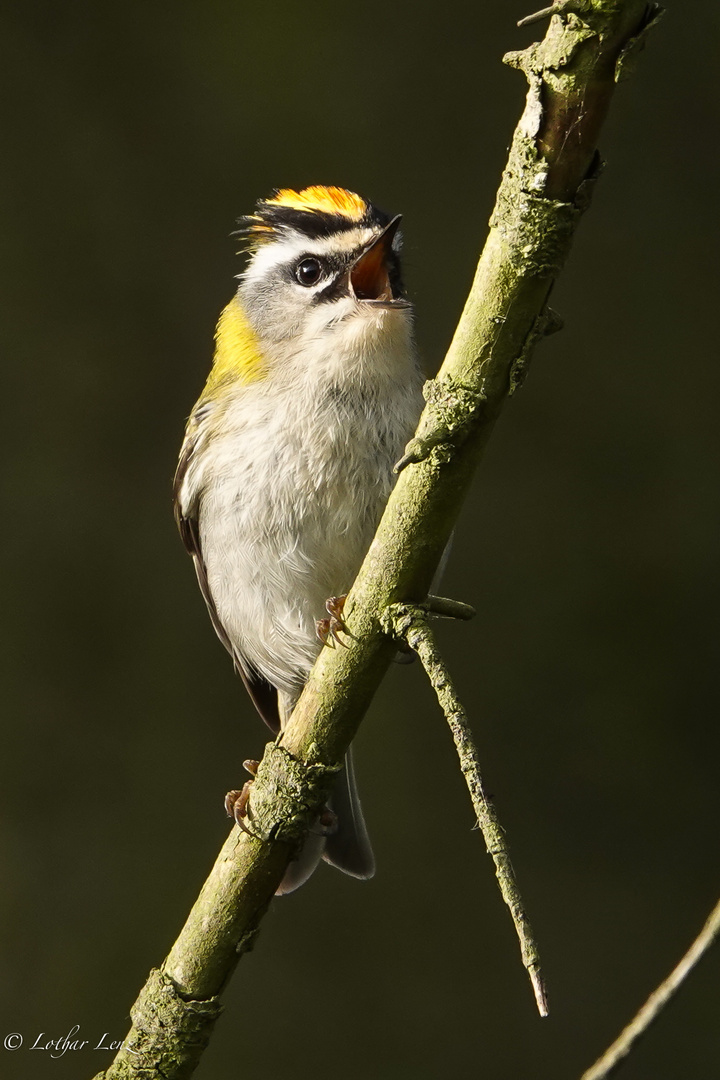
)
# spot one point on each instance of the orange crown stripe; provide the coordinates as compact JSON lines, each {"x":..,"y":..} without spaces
{"x":328,"y":200}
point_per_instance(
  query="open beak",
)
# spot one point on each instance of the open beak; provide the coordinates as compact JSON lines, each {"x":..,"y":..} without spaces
{"x":368,"y":277}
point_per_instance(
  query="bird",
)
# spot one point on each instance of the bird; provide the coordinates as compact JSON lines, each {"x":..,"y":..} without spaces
{"x":287,"y":461}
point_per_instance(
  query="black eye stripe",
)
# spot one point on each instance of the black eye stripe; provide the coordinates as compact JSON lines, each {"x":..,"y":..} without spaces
{"x":309,"y":269}
{"x":334,"y":290}
{"x":330,"y":271}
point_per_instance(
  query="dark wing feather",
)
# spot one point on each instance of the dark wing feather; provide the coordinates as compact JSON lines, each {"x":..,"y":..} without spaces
{"x":264,"y":695}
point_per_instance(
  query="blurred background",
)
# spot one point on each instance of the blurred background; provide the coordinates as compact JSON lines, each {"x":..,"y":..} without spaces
{"x":134,"y":135}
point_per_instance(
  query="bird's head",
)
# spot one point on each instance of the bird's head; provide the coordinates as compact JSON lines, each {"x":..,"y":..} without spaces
{"x":322,"y":249}
{"x":322,"y":283}
{"x":320,"y":258}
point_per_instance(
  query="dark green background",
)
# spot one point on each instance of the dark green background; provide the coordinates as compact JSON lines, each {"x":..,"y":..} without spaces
{"x":136,"y":134}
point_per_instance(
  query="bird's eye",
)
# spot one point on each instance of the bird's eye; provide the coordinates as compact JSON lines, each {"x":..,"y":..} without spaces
{"x":308,"y":271}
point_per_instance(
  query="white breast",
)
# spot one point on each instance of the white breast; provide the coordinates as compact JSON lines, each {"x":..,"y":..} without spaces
{"x":290,"y":484}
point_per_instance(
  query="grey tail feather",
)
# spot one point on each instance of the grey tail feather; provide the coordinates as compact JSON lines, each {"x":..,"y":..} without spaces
{"x":349,"y":848}
{"x":300,"y":869}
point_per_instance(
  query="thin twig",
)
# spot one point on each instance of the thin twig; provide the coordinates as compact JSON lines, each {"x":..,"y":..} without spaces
{"x":410,"y":623}
{"x":445,"y":608}
{"x":657,"y":1001}
{"x":539,"y":15}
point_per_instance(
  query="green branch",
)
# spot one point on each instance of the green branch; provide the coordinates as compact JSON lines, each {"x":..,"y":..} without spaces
{"x":410,"y":624}
{"x":546,"y":186}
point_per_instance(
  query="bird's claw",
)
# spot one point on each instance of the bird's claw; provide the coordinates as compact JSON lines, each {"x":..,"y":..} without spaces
{"x":236,"y":805}
{"x":236,"y":802}
{"x":328,"y":629}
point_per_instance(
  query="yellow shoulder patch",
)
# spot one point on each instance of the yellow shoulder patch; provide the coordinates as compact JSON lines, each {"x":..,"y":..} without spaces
{"x":237,"y":350}
{"x":328,"y":200}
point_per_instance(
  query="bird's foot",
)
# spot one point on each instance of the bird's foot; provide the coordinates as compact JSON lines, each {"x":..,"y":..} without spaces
{"x":328,"y":629}
{"x":236,"y":806}
{"x":236,"y":802}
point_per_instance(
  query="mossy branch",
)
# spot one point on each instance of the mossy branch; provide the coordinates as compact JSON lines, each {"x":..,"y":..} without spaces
{"x":410,"y":623}
{"x":546,"y":186}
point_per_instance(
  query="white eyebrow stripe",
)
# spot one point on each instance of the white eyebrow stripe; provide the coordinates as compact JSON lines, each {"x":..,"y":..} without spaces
{"x":285,"y":251}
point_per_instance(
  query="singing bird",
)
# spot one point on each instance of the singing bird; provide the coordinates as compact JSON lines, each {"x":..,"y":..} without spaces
{"x":288,"y":455}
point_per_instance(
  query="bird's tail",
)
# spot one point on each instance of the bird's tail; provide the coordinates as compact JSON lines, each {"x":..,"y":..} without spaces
{"x":348,"y":848}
